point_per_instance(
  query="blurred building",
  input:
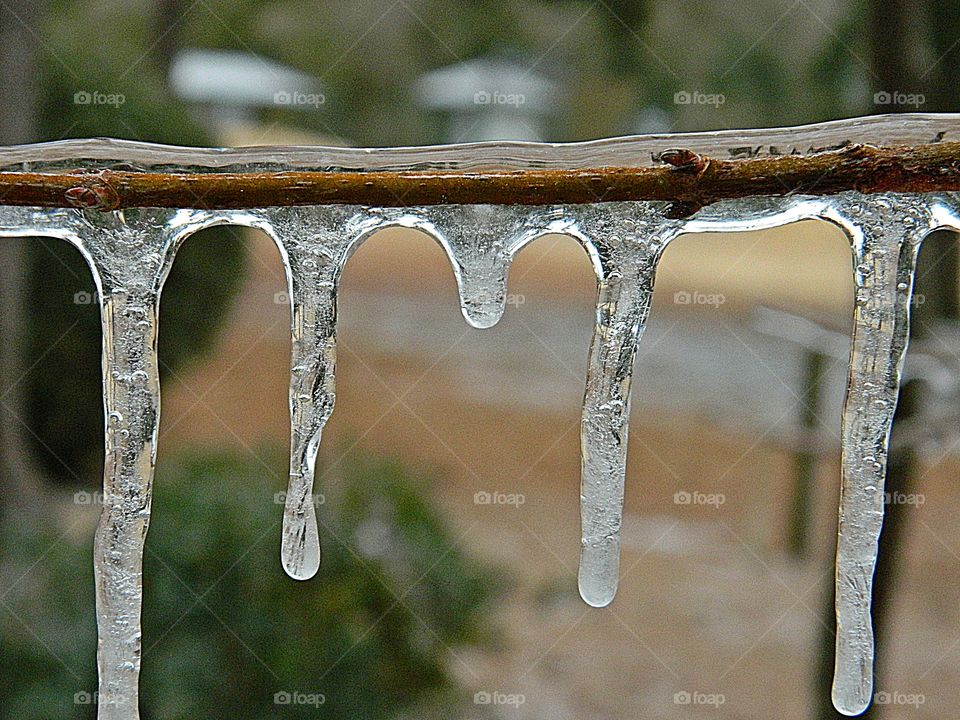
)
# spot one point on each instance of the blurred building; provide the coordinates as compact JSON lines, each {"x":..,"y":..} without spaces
{"x":490,"y":99}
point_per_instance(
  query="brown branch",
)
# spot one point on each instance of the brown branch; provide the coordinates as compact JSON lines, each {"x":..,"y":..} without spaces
{"x":684,"y":178}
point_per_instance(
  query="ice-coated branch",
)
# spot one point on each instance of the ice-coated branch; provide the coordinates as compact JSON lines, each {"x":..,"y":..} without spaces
{"x":319,"y":204}
{"x":688,"y":179}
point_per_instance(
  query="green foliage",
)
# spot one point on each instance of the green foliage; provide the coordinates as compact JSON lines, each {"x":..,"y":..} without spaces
{"x":64,"y":405}
{"x":225,"y":630}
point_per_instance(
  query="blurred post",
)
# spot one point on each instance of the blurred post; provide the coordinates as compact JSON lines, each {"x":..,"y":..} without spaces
{"x":806,"y":456}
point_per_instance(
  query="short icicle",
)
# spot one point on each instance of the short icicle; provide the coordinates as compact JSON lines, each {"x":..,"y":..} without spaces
{"x":315,"y":243}
{"x":886,"y":232}
{"x":480,"y":241}
{"x":628,"y":239}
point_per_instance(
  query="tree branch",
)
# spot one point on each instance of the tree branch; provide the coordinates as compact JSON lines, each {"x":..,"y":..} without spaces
{"x":687,"y":179}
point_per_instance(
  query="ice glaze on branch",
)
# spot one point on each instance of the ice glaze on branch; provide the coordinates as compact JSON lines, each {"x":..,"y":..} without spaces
{"x":685,"y":178}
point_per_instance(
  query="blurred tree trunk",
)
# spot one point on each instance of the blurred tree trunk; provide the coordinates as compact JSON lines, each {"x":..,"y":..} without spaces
{"x":19,"y":476}
{"x":168,"y":16}
{"x":902,"y":33}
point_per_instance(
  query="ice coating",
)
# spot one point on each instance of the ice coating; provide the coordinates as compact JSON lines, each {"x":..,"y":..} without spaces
{"x":633,"y":151}
{"x":130,"y":253}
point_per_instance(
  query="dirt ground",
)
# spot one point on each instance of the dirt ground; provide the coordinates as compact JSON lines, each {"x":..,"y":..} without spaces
{"x":712,"y":619}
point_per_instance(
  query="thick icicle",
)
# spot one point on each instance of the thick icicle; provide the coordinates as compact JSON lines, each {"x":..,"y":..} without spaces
{"x":886,"y":232}
{"x":129,"y":255}
{"x":129,"y":258}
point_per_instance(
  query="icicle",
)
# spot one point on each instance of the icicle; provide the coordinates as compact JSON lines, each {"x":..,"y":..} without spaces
{"x":480,"y":240}
{"x":885,"y":232}
{"x":629,"y":239}
{"x":315,"y":243}
{"x":129,"y":258}
{"x":624,"y":241}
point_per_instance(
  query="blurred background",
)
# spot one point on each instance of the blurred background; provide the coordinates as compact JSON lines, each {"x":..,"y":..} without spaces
{"x":448,"y":476}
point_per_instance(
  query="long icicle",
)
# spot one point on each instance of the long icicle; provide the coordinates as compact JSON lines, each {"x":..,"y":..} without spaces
{"x":130,"y":255}
{"x":131,"y":405}
{"x":886,"y":233}
{"x":628,"y":239}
